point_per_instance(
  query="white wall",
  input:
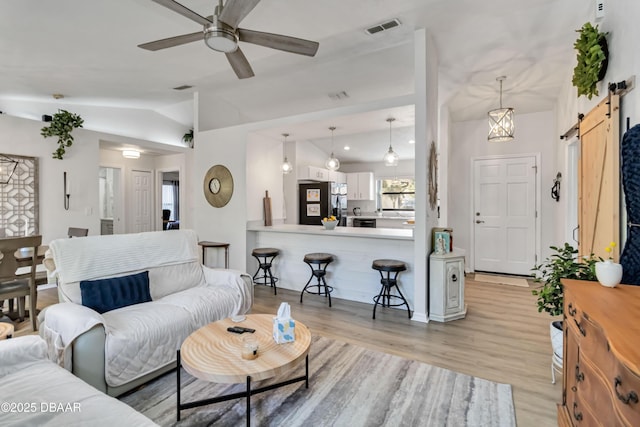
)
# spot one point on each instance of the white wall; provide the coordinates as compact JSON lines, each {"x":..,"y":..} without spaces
{"x":264,"y":159}
{"x":22,"y":137}
{"x":130,"y":122}
{"x":624,"y":61}
{"x":535,"y":133}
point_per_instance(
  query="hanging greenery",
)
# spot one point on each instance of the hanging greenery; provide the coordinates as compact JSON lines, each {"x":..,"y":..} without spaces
{"x":187,"y":138}
{"x":592,"y":60}
{"x":62,"y":124}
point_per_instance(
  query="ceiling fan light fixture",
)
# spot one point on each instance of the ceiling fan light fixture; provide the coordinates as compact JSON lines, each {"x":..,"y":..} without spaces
{"x":501,"y":123}
{"x":220,"y":37}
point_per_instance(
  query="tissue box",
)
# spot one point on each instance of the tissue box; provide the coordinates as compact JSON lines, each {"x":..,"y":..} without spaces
{"x":284,"y":330}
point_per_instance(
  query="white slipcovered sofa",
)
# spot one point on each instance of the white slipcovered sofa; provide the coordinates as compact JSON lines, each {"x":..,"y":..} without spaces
{"x":37,"y":392}
{"x":119,"y":349}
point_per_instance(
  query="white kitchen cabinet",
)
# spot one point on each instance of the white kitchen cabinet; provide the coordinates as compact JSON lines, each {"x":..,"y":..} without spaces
{"x":446,"y":287}
{"x":313,"y":173}
{"x":337,"y":177}
{"x":360,"y":186}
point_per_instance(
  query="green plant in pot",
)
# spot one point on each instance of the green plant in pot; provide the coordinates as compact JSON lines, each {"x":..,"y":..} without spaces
{"x":592,"y":60}
{"x":563,"y":263}
{"x":62,"y":124}
{"x":188,"y":138}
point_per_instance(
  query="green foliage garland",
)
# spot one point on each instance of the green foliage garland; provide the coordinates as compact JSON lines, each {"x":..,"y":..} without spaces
{"x":591,"y":57}
{"x":62,"y":125}
{"x":563,"y":264}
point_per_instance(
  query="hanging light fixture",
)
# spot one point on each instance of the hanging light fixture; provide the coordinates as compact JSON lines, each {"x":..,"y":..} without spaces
{"x":7,"y":168}
{"x":501,"y":121}
{"x":332,"y":163}
{"x":286,"y":166}
{"x":391,"y":157}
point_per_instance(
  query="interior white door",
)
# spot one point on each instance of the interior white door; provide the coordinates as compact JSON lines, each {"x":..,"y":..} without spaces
{"x":141,"y":201}
{"x":504,"y":216}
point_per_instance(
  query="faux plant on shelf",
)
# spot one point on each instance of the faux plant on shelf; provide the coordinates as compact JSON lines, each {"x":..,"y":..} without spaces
{"x":562,"y":264}
{"x":592,"y":60}
{"x":188,"y":138}
{"x":62,"y":124}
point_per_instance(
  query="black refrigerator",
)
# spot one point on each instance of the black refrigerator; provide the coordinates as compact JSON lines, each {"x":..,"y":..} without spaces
{"x":319,"y":200}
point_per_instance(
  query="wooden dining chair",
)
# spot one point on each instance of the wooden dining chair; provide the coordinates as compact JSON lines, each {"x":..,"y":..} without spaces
{"x":12,"y":286}
{"x":77,"y":232}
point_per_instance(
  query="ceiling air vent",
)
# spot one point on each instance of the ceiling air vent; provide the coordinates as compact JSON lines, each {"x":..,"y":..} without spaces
{"x":383,"y":26}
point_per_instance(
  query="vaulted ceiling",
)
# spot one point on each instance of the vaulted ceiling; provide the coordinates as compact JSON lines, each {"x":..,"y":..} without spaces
{"x":87,"y":50}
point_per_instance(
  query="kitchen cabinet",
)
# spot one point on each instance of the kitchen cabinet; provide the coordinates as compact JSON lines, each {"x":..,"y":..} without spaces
{"x":337,"y":177}
{"x":313,"y":173}
{"x":446,"y":287}
{"x":601,"y":366}
{"x":360,"y":186}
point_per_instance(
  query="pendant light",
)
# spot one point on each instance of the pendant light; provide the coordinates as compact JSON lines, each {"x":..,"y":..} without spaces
{"x":501,"y":121}
{"x":286,"y":166}
{"x":332,"y":163}
{"x":391,"y":157}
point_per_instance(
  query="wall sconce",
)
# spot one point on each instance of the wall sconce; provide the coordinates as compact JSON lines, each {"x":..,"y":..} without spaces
{"x":67,"y":191}
{"x":555,"y":190}
{"x":131,"y":154}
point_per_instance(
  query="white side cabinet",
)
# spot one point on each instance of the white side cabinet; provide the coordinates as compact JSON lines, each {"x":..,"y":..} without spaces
{"x":360,"y":186}
{"x":313,"y":173}
{"x":446,"y":287}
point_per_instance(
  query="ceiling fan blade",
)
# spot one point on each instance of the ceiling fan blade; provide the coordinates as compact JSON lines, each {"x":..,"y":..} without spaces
{"x":172,"y":41}
{"x":184,"y":11}
{"x":235,"y":11}
{"x":240,"y":64}
{"x":280,"y":42}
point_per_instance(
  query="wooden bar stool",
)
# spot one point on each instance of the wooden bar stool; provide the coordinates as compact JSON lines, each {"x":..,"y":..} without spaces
{"x":385,"y":296}
{"x":265,"y":257}
{"x":322,"y":261}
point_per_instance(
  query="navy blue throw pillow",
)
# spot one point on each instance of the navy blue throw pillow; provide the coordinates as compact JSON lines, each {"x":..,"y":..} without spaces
{"x":108,"y":294}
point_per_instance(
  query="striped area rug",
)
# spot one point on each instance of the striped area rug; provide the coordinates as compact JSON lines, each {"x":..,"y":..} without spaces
{"x":349,"y":386}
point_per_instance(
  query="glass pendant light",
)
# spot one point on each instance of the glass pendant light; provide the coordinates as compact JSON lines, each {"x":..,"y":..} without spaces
{"x":501,"y":123}
{"x":391,"y":157}
{"x":286,"y":166}
{"x":332,"y":163}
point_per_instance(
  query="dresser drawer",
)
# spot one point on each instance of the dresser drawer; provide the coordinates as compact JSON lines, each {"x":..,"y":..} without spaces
{"x":593,"y":393}
{"x":626,"y":392}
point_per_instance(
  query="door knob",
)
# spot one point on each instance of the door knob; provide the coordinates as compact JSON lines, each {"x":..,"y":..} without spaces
{"x":478,"y":221}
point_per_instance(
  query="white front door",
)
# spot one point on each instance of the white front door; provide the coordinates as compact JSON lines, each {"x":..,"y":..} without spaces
{"x":504,"y":215}
{"x":141,"y":201}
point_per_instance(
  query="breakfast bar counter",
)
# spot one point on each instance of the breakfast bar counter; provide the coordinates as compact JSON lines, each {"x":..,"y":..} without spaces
{"x":353,"y":248}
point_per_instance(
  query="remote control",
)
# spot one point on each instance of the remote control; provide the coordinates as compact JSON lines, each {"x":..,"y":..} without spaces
{"x":236,"y":330}
{"x":247,"y":329}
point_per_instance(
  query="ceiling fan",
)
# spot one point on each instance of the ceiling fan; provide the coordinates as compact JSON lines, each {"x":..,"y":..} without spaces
{"x":221,"y":33}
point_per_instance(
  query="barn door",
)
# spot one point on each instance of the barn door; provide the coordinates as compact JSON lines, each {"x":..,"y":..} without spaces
{"x":599,"y":179}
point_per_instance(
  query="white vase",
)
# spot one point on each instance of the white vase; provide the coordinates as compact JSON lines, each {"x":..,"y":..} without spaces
{"x":609,"y":273}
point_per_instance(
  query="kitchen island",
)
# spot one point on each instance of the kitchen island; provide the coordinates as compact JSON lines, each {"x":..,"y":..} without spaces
{"x":354,"y":250}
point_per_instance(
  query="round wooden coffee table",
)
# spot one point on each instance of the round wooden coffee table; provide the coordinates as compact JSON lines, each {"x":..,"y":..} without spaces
{"x":214,"y":354}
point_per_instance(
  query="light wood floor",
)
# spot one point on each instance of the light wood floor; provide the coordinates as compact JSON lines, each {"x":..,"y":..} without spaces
{"x":502,"y":339}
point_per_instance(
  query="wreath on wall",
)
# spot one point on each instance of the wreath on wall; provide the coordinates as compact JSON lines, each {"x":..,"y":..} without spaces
{"x":433,"y":176}
{"x":592,"y":59}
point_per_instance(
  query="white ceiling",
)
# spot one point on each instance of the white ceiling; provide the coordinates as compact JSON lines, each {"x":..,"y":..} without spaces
{"x":87,"y":50}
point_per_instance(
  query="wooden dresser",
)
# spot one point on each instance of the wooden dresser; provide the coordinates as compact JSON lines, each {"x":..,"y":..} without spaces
{"x":601,"y":375}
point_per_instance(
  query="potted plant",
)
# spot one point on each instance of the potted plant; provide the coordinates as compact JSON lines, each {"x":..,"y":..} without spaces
{"x":562,"y":264}
{"x":187,"y":138}
{"x":592,"y":60}
{"x":62,"y":124}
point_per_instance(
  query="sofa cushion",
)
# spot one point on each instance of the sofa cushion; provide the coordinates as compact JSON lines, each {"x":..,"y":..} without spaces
{"x":116,"y":292}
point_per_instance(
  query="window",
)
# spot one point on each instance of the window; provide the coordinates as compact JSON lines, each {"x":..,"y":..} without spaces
{"x":398,"y":194}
